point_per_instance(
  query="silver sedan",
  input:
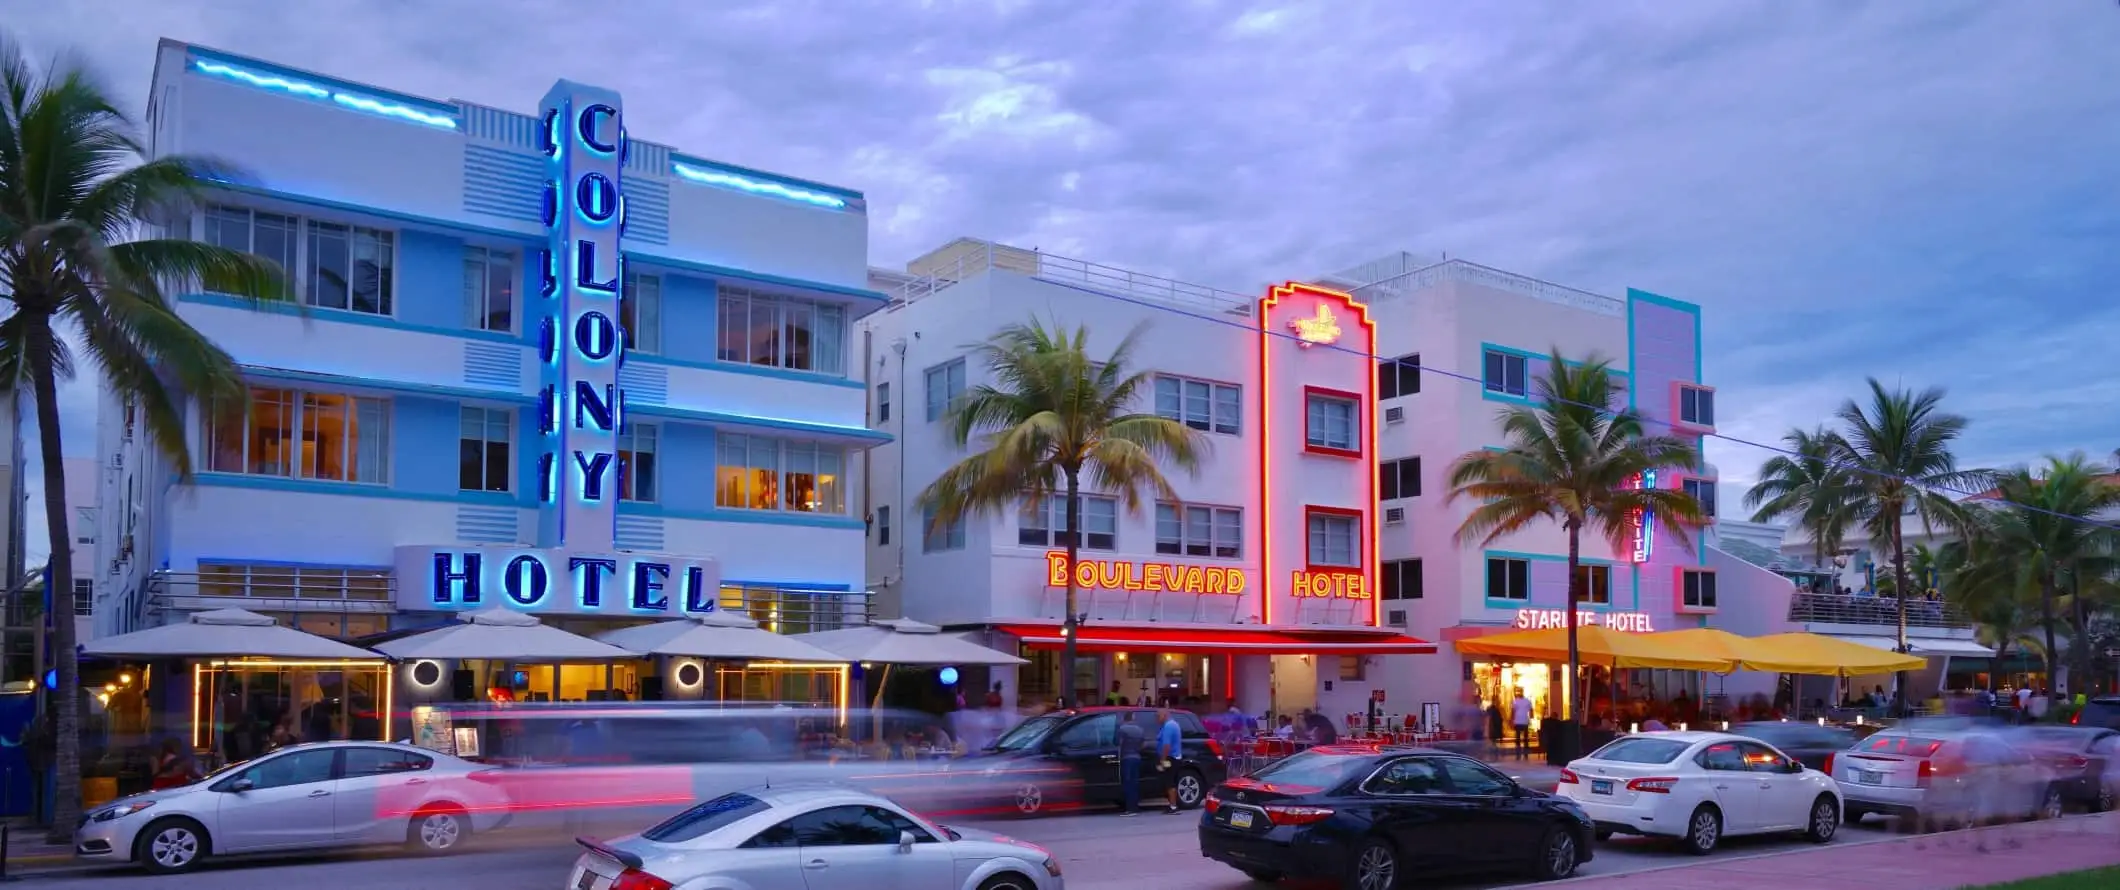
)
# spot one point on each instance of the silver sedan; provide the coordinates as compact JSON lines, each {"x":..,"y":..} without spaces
{"x":811,"y":837}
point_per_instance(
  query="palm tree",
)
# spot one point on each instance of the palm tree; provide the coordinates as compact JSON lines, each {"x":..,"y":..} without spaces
{"x":2051,"y":518}
{"x":1808,"y":487}
{"x":1899,"y":448}
{"x":1988,"y":583}
{"x":1573,"y":458}
{"x":75,"y":195}
{"x":1053,"y":419}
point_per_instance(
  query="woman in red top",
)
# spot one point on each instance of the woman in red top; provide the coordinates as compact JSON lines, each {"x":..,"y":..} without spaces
{"x":172,"y":768}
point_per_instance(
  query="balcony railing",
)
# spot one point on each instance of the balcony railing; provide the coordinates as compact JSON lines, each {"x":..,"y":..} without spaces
{"x":975,"y":257}
{"x":1827,"y":608}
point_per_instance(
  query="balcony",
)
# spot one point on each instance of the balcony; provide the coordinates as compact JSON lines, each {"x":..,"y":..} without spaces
{"x":1880,"y":611}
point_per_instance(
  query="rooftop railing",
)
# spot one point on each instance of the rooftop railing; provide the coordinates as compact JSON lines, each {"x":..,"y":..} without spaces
{"x":978,"y":257}
{"x":1883,"y":611}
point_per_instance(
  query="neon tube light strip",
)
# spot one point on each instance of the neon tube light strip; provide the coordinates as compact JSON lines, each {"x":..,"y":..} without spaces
{"x":352,"y":100}
{"x":746,"y":184}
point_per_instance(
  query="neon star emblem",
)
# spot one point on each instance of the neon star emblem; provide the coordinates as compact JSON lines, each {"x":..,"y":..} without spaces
{"x":1321,"y":328}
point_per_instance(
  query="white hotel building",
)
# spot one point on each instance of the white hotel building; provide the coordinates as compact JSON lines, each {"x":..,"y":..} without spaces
{"x":1326,"y":457}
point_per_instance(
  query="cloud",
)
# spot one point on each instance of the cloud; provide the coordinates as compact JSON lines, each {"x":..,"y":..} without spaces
{"x":1920,"y":192}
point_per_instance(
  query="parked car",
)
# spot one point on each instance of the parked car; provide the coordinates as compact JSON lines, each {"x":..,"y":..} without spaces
{"x":1943,"y":777}
{"x":1072,"y":757}
{"x":786,"y":837}
{"x":2099,"y":713}
{"x":1373,"y":817}
{"x":1701,"y":787}
{"x":301,"y":797}
{"x":2080,"y":757}
{"x":1809,"y":743}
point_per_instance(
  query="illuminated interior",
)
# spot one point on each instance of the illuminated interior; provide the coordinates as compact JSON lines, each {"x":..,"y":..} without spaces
{"x":814,"y":685}
{"x":575,"y":682}
{"x":241,"y":708}
{"x":1498,"y":684}
{"x":766,"y":473}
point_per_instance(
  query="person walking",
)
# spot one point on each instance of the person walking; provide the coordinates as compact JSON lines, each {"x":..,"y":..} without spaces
{"x":1170,"y":742}
{"x":1520,"y":722}
{"x":1494,"y":724}
{"x":1132,"y":740}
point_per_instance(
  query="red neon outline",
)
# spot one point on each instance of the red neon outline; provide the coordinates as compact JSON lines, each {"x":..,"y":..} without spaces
{"x":1330,"y":393}
{"x":1678,"y":591}
{"x":1678,"y":421}
{"x":1264,"y":312}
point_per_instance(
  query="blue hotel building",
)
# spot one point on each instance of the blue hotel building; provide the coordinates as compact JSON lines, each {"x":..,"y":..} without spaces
{"x":533,"y":362}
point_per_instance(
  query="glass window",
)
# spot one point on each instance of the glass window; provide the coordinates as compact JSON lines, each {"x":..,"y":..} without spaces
{"x":1402,"y":579}
{"x":1700,"y":589}
{"x":489,"y":290}
{"x":1473,"y":777}
{"x":1095,"y":731}
{"x":1723,"y":756}
{"x":1593,"y":585}
{"x":766,"y":473}
{"x":1200,"y":404}
{"x":350,"y":267}
{"x":1762,"y":759}
{"x":1335,"y":540}
{"x":1045,"y":525}
{"x":483,"y":461}
{"x":1505,"y":373}
{"x":295,"y":434}
{"x":298,"y":768}
{"x":1508,"y":579}
{"x":883,"y":403}
{"x":1329,"y":422}
{"x":637,"y":475}
{"x":640,"y":313}
{"x":1399,"y":479}
{"x":883,"y":526}
{"x":945,"y":382}
{"x":1199,"y":530}
{"x":1640,"y":750}
{"x":936,"y":537}
{"x":707,"y":817}
{"x":1703,"y":493}
{"x":1696,"y":406}
{"x":1312,"y":769}
{"x":383,"y":761}
{"x":1413,"y":775}
{"x":1399,"y":377}
{"x":780,"y":331}
{"x":854,"y":826}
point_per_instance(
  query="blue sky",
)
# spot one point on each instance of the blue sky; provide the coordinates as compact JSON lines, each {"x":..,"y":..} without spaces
{"x":1927,"y":192}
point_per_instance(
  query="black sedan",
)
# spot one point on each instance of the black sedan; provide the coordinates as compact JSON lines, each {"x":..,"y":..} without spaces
{"x":1811,"y":744}
{"x":1371,"y":817}
{"x":2082,"y":758}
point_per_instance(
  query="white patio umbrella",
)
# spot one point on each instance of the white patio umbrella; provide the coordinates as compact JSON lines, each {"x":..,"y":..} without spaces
{"x":904,"y":641}
{"x":716,"y":635}
{"x":498,"y":634}
{"x":225,"y":633}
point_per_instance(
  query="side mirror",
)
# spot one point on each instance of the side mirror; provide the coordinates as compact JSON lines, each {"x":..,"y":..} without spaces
{"x":905,"y":842}
{"x":241,"y":785}
{"x":1794,"y":767}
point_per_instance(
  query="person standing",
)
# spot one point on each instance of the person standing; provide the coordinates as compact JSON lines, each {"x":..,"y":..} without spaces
{"x":1520,"y":722}
{"x":1170,"y":742}
{"x":1494,"y":723}
{"x":1131,"y":742}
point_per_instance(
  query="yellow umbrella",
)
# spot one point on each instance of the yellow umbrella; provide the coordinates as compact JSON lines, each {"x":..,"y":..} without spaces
{"x":1597,"y":644}
{"x":1706,"y":642}
{"x":1801,"y":653}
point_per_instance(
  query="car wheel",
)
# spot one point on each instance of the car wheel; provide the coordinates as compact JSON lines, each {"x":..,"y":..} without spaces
{"x":1191,"y":789}
{"x":2050,"y":805}
{"x":1262,"y":875}
{"x":1825,"y":820}
{"x":1703,"y":831}
{"x":1376,"y":867}
{"x":437,"y":831}
{"x":169,"y":846}
{"x":2104,"y":802}
{"x":1008,"y":881}
{"x":1029,"y":799}
{"x":1557,"y":857}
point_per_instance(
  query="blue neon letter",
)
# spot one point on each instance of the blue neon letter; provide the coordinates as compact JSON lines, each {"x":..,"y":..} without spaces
{"x":697,"y":597}
{"x":596,"y":197}
{"x":593,"y":467}
{"x":527,"y":580}
{"x":585,"y":269}
{"x":591,"y":572}
{"x":595,"y":336}
{"x":648,"y":580}
{"x":447,"y":577}
{"x":589,"y":125}
{"x":595,"y":405}
{"x":547,"y":474}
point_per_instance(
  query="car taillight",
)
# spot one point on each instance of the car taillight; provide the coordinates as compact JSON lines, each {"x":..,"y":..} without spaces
{"x":1212,"y":804}
{"x":2076,"y":719}
{"x":635,"y":879}
{"x":1829,"y":764}
{"x":1568,"y":777}
{"x":1926,"y":772}
{"x":1293,"y":815}
{"x":1660,"y":785}
{"x":1214,"y":746}
{"x":2071,"y":762}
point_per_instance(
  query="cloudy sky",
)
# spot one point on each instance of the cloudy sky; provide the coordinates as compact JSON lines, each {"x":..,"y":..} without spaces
{"x":1927,"y":191}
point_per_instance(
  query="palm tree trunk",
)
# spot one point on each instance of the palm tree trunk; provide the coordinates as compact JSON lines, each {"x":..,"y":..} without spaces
{"x":1069,"y":627}
{"x":2047,"y":595}
{"x":1572,"y":704}
{"x":1900,"y":583}
{"x":2080,"y":666}
{"x":58,"y":583}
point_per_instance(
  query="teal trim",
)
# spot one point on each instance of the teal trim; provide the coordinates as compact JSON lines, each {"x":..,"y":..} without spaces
{"x":1495,"y":602}
{"x":459,"y":393}
{"x":636,"y":358}
{"x":721,"y":418}
{"x":312,"y":313}
{"x":1544,"y":557}
{"x":255,"y":66}
{"x":714,"y":271}
{"x":764,"y":517}
{"x":1539,"y":358}
{"x":1637,"y":588}
{"x":290,"y":564}
{"x":359,"y":490}
{"x":1660,"y":300}
{"x":783,"y":179}
{"x":527,"y":240}
{"x":1633,"y":361}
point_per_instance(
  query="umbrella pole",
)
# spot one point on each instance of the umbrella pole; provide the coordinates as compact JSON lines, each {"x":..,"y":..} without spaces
{"x":876,"y":705}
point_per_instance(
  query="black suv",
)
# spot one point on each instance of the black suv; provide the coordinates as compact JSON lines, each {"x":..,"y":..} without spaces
{"x":1072,"y":758}
{"x":2099,"y":713}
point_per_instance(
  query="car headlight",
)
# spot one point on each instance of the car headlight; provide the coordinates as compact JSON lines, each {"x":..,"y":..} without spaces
{"x":1052,"y":866}
{"x":121,"y":811}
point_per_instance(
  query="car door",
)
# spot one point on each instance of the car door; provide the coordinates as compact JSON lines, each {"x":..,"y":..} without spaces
{"x":1152,"y":779}
{"x":1089,"y":749}
{"x":283,"y":802}
{"x":1508,"y":825}
{"x":1732,"y":785}
{"x":378,"y":791}
{"x":1784,"y":797}
{"x":859,"y":846}
{"x":1412,"y":804}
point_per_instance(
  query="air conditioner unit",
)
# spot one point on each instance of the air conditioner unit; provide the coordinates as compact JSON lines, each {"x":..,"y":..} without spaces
{"x":1394,"y":515}
{"x":1395,"y":414}
{"x":1395,"y":618}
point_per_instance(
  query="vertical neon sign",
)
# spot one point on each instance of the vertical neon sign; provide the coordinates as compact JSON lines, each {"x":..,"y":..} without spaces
{"x":1644,"y":525}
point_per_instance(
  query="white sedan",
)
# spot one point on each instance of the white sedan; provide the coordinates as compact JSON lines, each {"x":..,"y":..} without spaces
{"x":810,"y":837}
{"x":1701,"y":787}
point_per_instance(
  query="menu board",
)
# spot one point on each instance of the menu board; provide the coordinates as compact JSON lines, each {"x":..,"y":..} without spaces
{"x":431,"y":729}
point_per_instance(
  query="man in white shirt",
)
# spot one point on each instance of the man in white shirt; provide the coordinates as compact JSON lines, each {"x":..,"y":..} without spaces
{"x":1520,"y":722}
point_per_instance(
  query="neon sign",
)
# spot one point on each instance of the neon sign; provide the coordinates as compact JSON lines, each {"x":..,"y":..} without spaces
{"x":1329,"y":585}
{"x":1149,"y":577}
{"x":1544,"y":619}
{"x":450,"y":578}
{"x":1642,"y":525}
{"x":1321,"y":329}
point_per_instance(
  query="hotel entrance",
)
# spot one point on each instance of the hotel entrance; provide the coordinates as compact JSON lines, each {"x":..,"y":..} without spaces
{"x":1498,"y":682}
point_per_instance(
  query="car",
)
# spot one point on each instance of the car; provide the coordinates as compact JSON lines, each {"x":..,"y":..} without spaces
{"x":1372,"y":817}
{"x":2080,"y":757}
{"x":1073,"y":755}
{"x":800,"y":837}
{"x":1940,"y":776}
{"x":1809,"y":743}
{"x":1700,"y":787}
{"x":2102,"y":712}
{"x":301,"y":797}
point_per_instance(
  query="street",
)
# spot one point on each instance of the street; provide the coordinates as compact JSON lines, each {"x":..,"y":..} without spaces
{"x":1098,"y":852}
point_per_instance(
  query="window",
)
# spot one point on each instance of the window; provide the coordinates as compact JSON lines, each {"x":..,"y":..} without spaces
{"x":1329,"y":422}
{"x":339,"y":583}
{"x":1474,"y":778}
{"x":637,"y":470}
{"x":1723,"y":757}
{"x":1399,"y":479}
{"x":1699,"y":589}
{"x":350,"y":267}
{"x":1399,"y":377}
{"x":84,"y":525}
{"x":1091,"y":733}
{"x":382,"y":762}
{"x":883,"y":526}
{"x":766,"y":473}
{"x":302,"y":435}
{"x":712,"y":815}
{"x":1508,"y":579}
{"x":1402,"y":579}
{"x":489,"y":290}
{"x":1335,"y":540}
{"x":780,"y":332}
{"x":936,"y":538}
{"x":640,"y":313}
{"x":1696,"y":406}
{"x":84,"y":597}
{"x":1352,"y":667}
{"x":297,"y":768}
{"x":847,"y":826}
{"x":883,"y":403}
{"x":1505,"y":373}
{"x":1196,"y":530}
{"x":1045,"y":525}
{"x":483,"y":442}
{"x":1200,"y":404}
{"x":268,"y":235}
{"x":1593,"y":585}
{"x":1414,"y":775}
{"x":1703,"y":492}
{"x":1762,"y":759}
{"x":945,"y":382}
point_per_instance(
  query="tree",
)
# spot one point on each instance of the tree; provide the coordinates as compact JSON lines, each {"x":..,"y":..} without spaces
{"x":1053,"y":419}
{"x":2051,"y":520}
{"x":75,"y":197}
{"x":1899,"y":448}
{"x":1575,"y":459}
{"x":1809,"y":488}
{"x":1989,"y":583}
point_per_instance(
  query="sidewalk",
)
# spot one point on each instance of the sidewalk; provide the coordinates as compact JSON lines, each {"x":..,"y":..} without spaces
{"x":27,"y":850}
{"x":1949,"y":861}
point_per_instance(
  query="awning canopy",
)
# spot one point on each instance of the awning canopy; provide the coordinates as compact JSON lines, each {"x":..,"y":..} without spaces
{"x":1233,"y":640}
{"x":1924,"y":646}
{"x":225,"y":633}
{"x":501,"y":635}
{"x":1596,"y":644}
{"x":1803,"y":653}
{"x":716,"y":635}
{"x":903,"y":641}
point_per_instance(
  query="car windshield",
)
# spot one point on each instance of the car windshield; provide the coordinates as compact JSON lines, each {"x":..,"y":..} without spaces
{"x":1311,"y":770}
{"x":705,"y":818}
{"x":1027,"y":734}
{"x":1906,"y":745}
{"x":1640,"y":750}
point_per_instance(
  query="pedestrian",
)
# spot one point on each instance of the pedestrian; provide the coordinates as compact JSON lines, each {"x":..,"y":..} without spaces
{"x":1520,"y":722}
{"x":1494,"y":724}
{"x":1113,"y":697}
{"x":1170,"y":742}
{"x":1131,"y":742}
{"x":174,"y":768}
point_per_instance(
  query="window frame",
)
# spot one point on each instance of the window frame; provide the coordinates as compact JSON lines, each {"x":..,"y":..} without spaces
{"x":299,"y":257}
{"x":1312,"y":515}
{"x":1595,"y":575}
{"x":1183,"y":544}
{"x":1054,"y":519}
{"x":1705,"y":494}
{"x":1392,"y":476}
{"x":1356,"y":425}
{"x":484,"y":258}
{"x":883,"y":526}
{"x":297,"y":406}
{"x":313,"y":231}
{"x":641,"y":294}
{"x":1495,"y":382}
{"x":784,"y":450}
{"x":943,"y":539}
{"x":1395,"y":374}
{"x":939,"y":408}
{"x":487,"y":416}
{"x":883,"y":402}
{"x":1700,"y":396}
{"x":1393,"y":575}
{"x":1509,"y":565}
{"x":1703,"y":593}
{"x":1217,"y":404}
{"x":630,"y":433}
{"x":786,"y":309}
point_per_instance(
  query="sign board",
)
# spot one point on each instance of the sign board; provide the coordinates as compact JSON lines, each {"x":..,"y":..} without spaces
{"x":1376,"y":695}
{"x":1541,"y":619}
{"x":2112,"y":653}
{"x":1149,"y":577}
{"x":1348,"y":585}
{"x":452,"y":578}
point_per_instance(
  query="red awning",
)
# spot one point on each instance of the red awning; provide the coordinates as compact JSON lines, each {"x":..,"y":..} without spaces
{"x":1097,"y":637}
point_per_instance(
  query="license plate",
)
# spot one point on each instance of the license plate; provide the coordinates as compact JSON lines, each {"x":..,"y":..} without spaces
{"x":1240,"y":818}
{"x":1868,"y":777}
{"x":587,"y":881}
{"x":1600,"y":786}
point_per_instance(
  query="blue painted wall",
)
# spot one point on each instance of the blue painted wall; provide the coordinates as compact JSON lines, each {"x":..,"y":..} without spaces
{"x":687,"y":460}
{"x":688,"y":329}
{"x":430,"y":279}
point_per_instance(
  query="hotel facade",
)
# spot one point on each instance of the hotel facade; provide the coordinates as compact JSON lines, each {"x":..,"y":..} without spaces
{"x":532,"y":362}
